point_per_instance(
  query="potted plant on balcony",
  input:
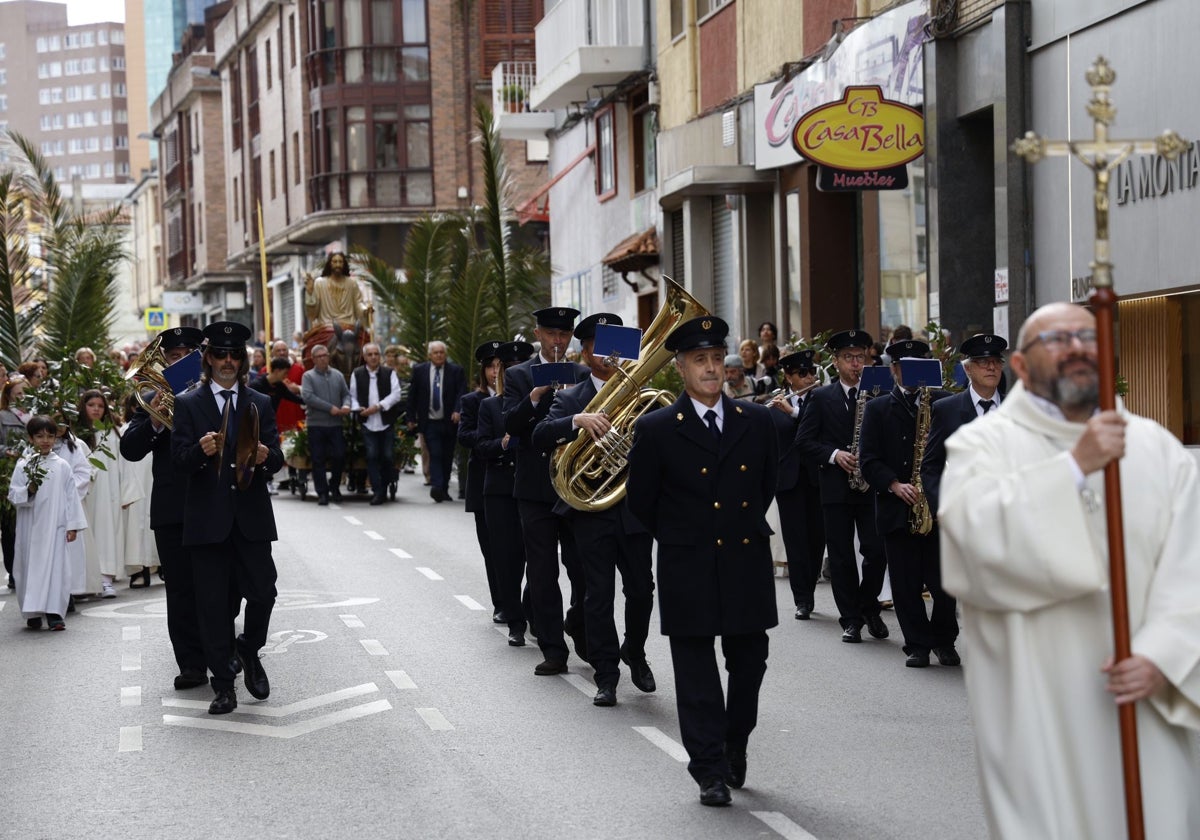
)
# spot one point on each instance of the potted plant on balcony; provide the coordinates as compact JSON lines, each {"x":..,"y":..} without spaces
{"x":513,"y":97}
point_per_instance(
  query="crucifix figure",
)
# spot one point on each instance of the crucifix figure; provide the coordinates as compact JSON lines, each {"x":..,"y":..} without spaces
{"x":1102,"y":155}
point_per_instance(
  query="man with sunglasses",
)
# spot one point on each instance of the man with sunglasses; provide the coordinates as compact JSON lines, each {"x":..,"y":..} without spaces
{"x":229,"y":530}
{"x":1024,"y":548}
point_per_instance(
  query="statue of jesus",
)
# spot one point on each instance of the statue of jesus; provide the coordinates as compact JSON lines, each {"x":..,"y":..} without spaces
{"x":335,"y":299}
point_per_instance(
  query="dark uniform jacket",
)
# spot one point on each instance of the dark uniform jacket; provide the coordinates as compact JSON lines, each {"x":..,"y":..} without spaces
{"x":166,"y":494}
{"x":520,"y":418}
{"x":793,"y":469}
{"x":500,"y":463}
{"x":706,"y":506}
{"x":213,"y":503}
{"x":948,"y":416}
{"x":420,"y":392}
{"x":828,"y":424}
{"x":886,"y":454}
{"x":468,"y":436}
{"x":556,"y":430}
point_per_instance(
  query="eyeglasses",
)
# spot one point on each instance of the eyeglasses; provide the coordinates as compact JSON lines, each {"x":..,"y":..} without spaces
{"x":987,"y":361}
{"x":853,"y":357}
{"x":221,"y":352}
{"x":1061,"y":339}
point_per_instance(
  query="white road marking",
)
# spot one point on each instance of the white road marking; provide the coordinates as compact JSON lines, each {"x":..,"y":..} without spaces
{"x":401,"y":553}
{"x":2,"y":603}
{"x":351,"y":621}
{"x":434,"y":719}
{"x":428,"y":572}
{"x":131,"y":633}
{"x":580,"y":683}
{"x":400,"y":679}
{"x":282,"y":711}
{"x":781,"y":825}
{"x":131,"y":739}
{"x":373,"y":647}
{"x":291,"y":730}
{"x":334,"y":506}
{"x":131,"y":660}
{"x":352,"y":520}
{"x":469,"y":602}
{"x":131,"y":695}
{"x":659,"y":739}
{"x":375,"y":535}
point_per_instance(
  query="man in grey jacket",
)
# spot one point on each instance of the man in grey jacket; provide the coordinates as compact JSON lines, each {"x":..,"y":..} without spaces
{"x":326,"y":400}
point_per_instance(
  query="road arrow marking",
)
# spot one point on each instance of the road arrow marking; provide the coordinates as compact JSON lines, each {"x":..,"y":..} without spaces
{"x":291,"y":730}
{"x":780,"y":824}
{"x":429,"y":573}
{"x":280,"y":641}
{"x":656,"y":737}
{"x":282,"y":711}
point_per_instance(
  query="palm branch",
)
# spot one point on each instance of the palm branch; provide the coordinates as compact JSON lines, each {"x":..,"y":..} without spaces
{"x":16,"y":332}
{"x":421,"y":305}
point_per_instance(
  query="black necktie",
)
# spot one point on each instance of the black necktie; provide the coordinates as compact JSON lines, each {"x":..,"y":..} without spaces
{"x":986,"y":405}
{"x":228,"y":395}
{"x":851,"y":399}
{"x":437,"y":389}
{"x":710,"y":417}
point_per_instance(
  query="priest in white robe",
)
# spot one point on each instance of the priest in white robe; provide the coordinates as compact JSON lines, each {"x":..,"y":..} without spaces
{"x":1024,"y":549}
{"x":114,"y":488}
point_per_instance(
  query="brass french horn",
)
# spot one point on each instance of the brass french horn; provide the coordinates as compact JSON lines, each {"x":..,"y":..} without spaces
{"x":590,"y":475}
{"x":148,"y":371}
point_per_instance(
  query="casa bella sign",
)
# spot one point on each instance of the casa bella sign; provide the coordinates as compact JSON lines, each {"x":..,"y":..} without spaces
{"x":862,"y":141}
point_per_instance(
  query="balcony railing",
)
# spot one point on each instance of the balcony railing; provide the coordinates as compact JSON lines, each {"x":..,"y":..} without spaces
{"x":587,"y":23}
{"x":379,"y":188}
{"x":511,"y":83}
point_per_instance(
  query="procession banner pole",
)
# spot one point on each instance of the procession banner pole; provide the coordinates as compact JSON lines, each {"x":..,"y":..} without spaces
{"x":1102,"y":155}
{"x":262,"y":258}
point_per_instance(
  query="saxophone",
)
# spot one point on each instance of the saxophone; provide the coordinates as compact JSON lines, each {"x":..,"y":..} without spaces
{"x":857,"y":482}
{"x":920,"y":517}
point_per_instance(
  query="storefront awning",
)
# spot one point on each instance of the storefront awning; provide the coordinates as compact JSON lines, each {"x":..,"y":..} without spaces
{"x":634,"y":253}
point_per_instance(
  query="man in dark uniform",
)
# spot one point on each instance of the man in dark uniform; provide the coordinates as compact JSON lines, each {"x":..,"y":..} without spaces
{"x":490,"y":367}
{"x":798,"y":494}
{"x":606,"y":540}
{"x":229,"y":531}
{"x":889,"y":435}
{"x":983,"y":362}
{"x":702,"y":474}
{"x":524,"y":407}
{"x":146,"y":437}
{"x":824,"y":440}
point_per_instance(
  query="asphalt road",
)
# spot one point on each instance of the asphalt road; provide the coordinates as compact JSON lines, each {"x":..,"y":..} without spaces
{"x":397,"y":709}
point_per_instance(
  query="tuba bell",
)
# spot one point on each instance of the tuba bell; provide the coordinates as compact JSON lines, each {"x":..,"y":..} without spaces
{"x":590,"y":475}
{"x":148,"y":371}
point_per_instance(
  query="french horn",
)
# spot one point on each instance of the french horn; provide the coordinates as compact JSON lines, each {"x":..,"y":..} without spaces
{"x":148,"y":371}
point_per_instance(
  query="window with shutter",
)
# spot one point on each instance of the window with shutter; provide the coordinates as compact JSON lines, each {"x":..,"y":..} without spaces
{"x":506,"y":32}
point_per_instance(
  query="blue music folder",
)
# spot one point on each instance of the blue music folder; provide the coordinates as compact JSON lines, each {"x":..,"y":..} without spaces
{"x":876,"y":378}
{"x":184,"y":373}
{"x":959,"y":375}
{"x":921,"y":373}
{"x":625,"y":342}
{"x":553,"y":373}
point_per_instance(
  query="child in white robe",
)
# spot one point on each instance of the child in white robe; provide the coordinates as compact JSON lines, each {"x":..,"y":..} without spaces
{"x":49,"y":516}
{"x":78,"y":454}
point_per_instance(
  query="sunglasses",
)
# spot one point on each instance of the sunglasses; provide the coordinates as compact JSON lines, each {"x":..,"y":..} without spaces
{"x":221,"y":353}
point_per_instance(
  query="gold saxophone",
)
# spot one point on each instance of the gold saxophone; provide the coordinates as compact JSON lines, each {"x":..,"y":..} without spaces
{"x":857,"y":482}
{"x":920,"y":517}
{"x":590,"y":475}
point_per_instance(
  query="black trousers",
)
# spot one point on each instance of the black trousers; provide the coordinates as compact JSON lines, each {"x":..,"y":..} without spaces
{"x":247,"y":567}
{"x":183,"y":624}
{"x":489,"y":561}
{"x":915,"y":563}
{"x":708,"y":718}
{"x":326,"y":444}
{"x":508,"y":557}
{"x":856,"y":599}
{"x":604,"y":548}
{"x":544,"y":531}
{"x":802,"y":523}
{"x":8,"y":535}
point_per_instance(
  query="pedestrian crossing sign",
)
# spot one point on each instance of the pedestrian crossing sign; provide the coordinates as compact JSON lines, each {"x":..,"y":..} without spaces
{"x":156,"y":318}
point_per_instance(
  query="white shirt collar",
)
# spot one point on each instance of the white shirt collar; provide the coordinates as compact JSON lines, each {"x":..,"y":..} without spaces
{"x":975,"y":398}
{"x":596,"y":382}
{"x":702,"y":409}
{"x":217,"y":389}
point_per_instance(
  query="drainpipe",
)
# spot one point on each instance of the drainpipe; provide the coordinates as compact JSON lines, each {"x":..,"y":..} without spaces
{"x":468,"y":100}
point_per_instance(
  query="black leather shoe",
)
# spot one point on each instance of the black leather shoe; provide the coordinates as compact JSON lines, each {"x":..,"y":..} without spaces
{"x":436,"y":495}
{"x":498,"y":617}
{"x":918,"y":658}
{"x":606,"y":695}
{"x":376,"y":501}
{"x":737,"y":767}
{"x":335,"y":496}
{"x":550,"y":667}
{"x":143,"y":576}
{"x":190,"y":679}
{"x":235,"y":664}
{"x":252,"y":670}
{"x":322,"y":500}
{"x":224,"y":703}
{"x":715,"y":792}
{"x":876,"y":627}
{"x":639,"y":672}
{"x":803,"y":613}
{"x":948,"y":656}
{"x":852,"y":635}
{"x":516,"y":639}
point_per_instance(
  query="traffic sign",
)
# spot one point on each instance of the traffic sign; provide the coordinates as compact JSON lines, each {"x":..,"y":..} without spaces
{"x":156,"y":318}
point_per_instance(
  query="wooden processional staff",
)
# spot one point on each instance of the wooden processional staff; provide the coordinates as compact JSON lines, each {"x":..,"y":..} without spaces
{"x":1102,"y":155}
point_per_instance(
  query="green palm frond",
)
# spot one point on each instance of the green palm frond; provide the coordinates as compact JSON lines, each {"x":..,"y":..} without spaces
{"x":16,"y":334}
{"x":81,"y":310}
{"x":471,"y":319}
{"x":421,"y":306}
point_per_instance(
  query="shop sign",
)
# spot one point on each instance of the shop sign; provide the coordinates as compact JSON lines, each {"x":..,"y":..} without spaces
{"x":862,"y":132}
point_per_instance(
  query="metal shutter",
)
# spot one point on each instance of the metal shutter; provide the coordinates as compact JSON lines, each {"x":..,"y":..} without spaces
{"x":679,"y":275}
{"x":722,"y":251}
{"x":287,"y":311}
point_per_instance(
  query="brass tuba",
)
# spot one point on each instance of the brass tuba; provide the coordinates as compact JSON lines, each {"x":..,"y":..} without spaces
{"x":590,"y":475}
{"x":148,"y":370}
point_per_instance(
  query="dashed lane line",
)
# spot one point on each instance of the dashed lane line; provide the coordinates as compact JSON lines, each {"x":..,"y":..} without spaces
{"x":352,"y":520}
{"x":282,"y":711}
{"x":434,"y":719}
{"x":131,"y":660}
{"x":659,"y":739}
{"x":781,"y":825}
{"x":351,"y":621}
{"x":131,"y":633}
{"x":375,"y":535}
{"x":401,"y":553}
{"x":373,"y":647}
{"x":131,"y":695}
{"x":401,"y":680}
{"x":428,"y":572}
{"x":130,"y":740}
{"x":580,"y":683}
{"x":469,"y":602}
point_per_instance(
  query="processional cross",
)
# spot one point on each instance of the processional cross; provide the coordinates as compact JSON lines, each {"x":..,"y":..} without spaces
{"x":1102,"y":156}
